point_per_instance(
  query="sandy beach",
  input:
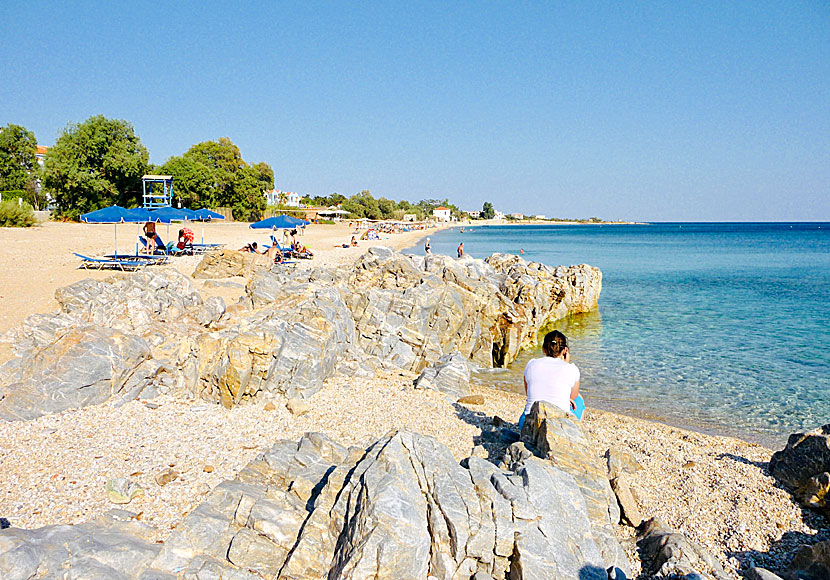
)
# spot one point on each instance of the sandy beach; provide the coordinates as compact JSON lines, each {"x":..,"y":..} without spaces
{"x":716,"y":490}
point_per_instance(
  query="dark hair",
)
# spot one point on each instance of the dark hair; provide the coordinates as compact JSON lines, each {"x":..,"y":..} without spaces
{"x":555,"y":342}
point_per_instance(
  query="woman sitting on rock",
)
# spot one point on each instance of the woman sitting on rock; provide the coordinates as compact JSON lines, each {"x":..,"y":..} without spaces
{"x":553,"y":378}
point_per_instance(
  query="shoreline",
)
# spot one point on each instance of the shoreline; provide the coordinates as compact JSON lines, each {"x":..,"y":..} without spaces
{"x":714,"y":488}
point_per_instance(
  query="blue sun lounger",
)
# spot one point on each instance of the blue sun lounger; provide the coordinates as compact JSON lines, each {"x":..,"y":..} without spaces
{"x":160,"y":247}
{"x":110,"y":263}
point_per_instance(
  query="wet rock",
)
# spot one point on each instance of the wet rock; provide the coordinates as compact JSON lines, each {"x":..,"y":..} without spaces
{"x":450,"y":375}
{"x":667,"y":554}
{"x":121,"y":491}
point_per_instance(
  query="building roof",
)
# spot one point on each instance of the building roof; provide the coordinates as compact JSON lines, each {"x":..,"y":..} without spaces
{"x":157,"y":177}
{"x":42,"y":149}
{"x":441,"y":209}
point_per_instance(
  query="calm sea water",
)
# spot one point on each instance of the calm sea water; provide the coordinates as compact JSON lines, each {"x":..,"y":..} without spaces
{"x":721,"y":327}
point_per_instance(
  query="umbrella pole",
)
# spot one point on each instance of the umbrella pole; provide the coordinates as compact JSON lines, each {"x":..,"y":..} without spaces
{"x":115,"y":229}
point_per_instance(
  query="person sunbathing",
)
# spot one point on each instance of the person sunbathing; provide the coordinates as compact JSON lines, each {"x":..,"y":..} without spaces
{"x":300,"y":249}
{"x":252,"y":248}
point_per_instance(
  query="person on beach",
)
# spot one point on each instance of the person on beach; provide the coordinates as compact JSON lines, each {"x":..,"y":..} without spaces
{"x":252,"y":248}
{"x":150,"y":234}
{"x":553,"y":378}
{"x":427,"y":247}
{"x":461,"y":250}
{"x":354,"y":241}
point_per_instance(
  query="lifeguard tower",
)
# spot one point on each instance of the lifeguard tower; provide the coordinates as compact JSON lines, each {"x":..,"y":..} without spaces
{"x":153,"y":198}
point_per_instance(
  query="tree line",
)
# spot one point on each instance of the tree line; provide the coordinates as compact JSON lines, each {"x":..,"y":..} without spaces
{"x":100,"y":162}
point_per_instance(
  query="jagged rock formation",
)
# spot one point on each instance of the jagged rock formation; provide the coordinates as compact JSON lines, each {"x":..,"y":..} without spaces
{"x":403,"y":508}
{"x":450,"y":375}
{"x":230,"y":263}
{"x":150,"y":332}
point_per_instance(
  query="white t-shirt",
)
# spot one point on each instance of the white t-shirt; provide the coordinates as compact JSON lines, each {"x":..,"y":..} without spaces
{"x":550,"y":379}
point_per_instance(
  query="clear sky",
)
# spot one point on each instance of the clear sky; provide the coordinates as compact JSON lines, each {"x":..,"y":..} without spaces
{"x":621,"y":110}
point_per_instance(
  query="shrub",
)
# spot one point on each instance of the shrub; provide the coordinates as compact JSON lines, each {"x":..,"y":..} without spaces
{"x":14,"y":214}
{"x":326,"y":222}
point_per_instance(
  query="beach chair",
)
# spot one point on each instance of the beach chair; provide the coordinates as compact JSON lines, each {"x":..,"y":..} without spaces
{"x":204,"y":248}
{"x":110,"y":263}
{"x":148,"y":259}
{"x":286,"y":252}
{"x":160,"y":247}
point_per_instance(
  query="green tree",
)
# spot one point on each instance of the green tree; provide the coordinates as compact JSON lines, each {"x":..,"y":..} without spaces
{"x":19,"y":170}
{"x":93,"y":165}
{"x":213,"y":174}
{"x":487,"y":211}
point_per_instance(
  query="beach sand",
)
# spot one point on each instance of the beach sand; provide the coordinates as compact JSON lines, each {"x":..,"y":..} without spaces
{"x":53,"y":469}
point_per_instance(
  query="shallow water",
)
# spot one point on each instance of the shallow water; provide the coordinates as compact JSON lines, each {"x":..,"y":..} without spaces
{"x":719,"y":327}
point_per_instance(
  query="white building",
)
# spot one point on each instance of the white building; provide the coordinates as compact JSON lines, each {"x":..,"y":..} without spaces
{"x":499,"y":215}
{"x":475,"y":213}
{"x":539,"y":216}
{"x":518,"y":216}
{"x":441,"y":213}
{"x":274,"y":197}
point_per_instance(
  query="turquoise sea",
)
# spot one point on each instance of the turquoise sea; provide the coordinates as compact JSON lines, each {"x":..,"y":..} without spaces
{"x":720,"y":327}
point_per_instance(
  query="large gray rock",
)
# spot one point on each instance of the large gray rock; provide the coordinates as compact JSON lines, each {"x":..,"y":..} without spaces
{"x":230,"y":263}
{"x":85,"y":366}
{"x":450,"y":375}
{"x":106,"y":549}
{"x":409,"y":311}
{"x":669,"y":554}
{"x":292,"y":338}
{"x":556,"y":435}
{"x":401,"y":509}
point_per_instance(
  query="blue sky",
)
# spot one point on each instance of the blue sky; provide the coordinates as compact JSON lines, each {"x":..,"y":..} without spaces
{"x":642,"y":111}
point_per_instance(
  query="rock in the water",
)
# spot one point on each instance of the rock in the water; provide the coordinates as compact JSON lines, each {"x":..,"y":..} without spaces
{"x":811,"y":562}
{"x":450,"y":375}
{"x":668,"y":554}
{"x":120,"y":490}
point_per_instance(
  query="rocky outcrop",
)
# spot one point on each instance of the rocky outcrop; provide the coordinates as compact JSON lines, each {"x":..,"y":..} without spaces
{"x":85,"y":366}
{"x":410,"y":310}
{"x":450,"y":375}
{"x":403,"y":508}
{"x":230,"y":263}
{"x":556,"y":436}
{"x":151,"y":332}
{"x":113,"y":547}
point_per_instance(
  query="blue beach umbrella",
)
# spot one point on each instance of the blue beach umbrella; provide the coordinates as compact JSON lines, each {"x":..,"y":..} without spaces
{"x":279,"y":222}
{"x":205,"y":214}
{"x":114,"y":214}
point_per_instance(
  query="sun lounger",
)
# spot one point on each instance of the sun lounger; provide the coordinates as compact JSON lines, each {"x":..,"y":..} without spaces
{"x":149,"y":259}
{"x":160,"y":247}
{"x":110,"y":263}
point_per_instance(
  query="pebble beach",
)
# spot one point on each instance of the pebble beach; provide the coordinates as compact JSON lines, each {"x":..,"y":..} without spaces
{"x":716,"y":490}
